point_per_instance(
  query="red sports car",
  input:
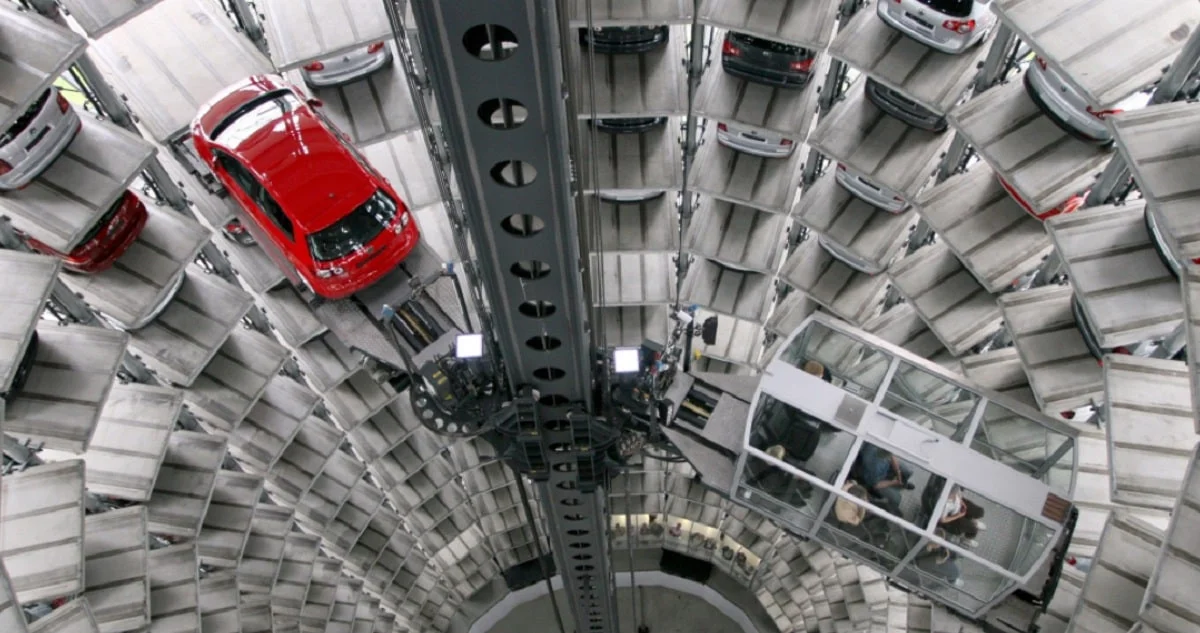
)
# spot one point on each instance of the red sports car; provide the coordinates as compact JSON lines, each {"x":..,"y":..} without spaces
{"x":112,"y":235}
{"x":313,"y":201}
{"x":1071,"y":204}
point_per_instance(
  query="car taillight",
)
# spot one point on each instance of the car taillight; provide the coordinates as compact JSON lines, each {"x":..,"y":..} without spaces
{"x":1102,"y":114}
{"x":841,"y":167}
{"x":787,"y":142}
{"x":1069,"y":415}
{"x":314,"y":66}
{"x":803,"y":65}
{"x":729,"y":49}
{"x":375,"y":48}
{"x":1196,"y":260}
{"x":4,"y":168}
{"x":959,"y":26}
{"x":1124,"y":351}
{"x":722,"y":127}
{"x":332,"y":271}
{"x":63,"y":104}
{"x":1073,"y":203}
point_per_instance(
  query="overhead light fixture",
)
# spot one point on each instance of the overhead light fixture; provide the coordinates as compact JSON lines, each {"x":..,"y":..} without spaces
{"x":627,"y":360}
{"x":468,"y":345}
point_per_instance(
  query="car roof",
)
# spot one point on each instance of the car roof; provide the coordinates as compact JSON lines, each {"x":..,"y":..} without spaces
{"x":304,"y":166}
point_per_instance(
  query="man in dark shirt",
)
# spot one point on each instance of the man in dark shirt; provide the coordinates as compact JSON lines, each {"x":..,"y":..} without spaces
{"x":884,"y":474}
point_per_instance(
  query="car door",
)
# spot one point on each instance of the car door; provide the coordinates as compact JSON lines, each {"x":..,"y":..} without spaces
{"x":270,"y":227}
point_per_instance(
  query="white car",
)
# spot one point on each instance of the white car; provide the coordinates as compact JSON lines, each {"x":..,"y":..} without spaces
{"x":849,"y":258}
{"x":1069,"y":109}
{"x":950,"y":26}
{"x":38,"y":136}
{"x":749,"y":140}
{"x":869,"y":192}
{"x":347,"y":67}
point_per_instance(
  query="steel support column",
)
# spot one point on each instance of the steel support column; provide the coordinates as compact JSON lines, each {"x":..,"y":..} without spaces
{"x":990,"y":73}
{"x":1169,"y":88}
{"x":247,"y":20}
{"x":484,"y":58}
{"x":696,"y":62}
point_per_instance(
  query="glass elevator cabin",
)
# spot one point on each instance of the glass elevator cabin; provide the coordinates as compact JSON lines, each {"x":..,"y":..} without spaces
{"x":955,"y":492}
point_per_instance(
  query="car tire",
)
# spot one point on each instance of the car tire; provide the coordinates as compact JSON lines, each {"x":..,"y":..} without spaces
{"x":24,"y":368}
{"x":1163,"y":255}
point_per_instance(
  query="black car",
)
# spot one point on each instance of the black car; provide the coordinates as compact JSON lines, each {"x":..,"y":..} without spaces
{"x":1089,"y":335}
{"x":22,"y":373}
{"x":766,"y":61}
{"x":618,"y":40}
{"x":1163,"y":248}
{"x":629,"y":126}
{"x":901,"y":107}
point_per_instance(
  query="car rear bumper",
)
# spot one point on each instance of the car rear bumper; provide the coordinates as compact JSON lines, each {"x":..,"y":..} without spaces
{"x":950,"y":44}
{"x":49,"y":148}
{"x":877,"y":198}
{"x":628,"y":126}
{"x":757,"y":74}
{"x":617,"y":46}
{"x":738,"y":143}
{"x":348,"y":73}
{"x":630,"y":196}
{"x":172,"y":289}
{"x":925,"y":121}
{"x":1065,"y":115}
{"x":848,"y":258}
{"x":118,"y":246}
{"x":334,"y":288}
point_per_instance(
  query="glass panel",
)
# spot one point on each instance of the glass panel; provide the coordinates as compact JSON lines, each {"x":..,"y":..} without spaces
{"x":780,"y":494}
{"x":956,"y":579}
{"x":1035,"y":539}
{"x":844,"y":361}
{"x":896,"y":486}
{"x":859,"y":530}
{"x":1023,"y":444}
{"x":799,"y":439}
{"x":991,"y":531}
{"x":930,"y":401}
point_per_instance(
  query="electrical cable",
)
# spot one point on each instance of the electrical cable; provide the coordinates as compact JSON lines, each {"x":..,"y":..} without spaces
{"x":537,"y":547}
{"x":592,"y":203}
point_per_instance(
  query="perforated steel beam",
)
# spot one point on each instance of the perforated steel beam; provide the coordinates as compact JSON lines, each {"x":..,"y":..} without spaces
{"x":484,"y":59}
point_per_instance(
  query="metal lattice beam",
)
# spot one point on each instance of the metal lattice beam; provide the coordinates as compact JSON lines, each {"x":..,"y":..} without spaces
{"x":495,"y":69}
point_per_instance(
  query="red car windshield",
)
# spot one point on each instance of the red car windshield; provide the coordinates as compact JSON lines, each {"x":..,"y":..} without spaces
{"x":354,"y":231}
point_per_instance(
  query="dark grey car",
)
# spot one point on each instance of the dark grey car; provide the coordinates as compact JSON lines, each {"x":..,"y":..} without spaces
{"x":766,"y":61}
{"x":620,"y":40}
{"x":1090,"y":340}
{"x":901,"y":107}
{"x":633,"y":125}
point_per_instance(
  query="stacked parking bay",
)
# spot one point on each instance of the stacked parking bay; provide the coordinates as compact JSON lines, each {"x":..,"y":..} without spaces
{"x":365,"y":517}
{"x":738,"y":235}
